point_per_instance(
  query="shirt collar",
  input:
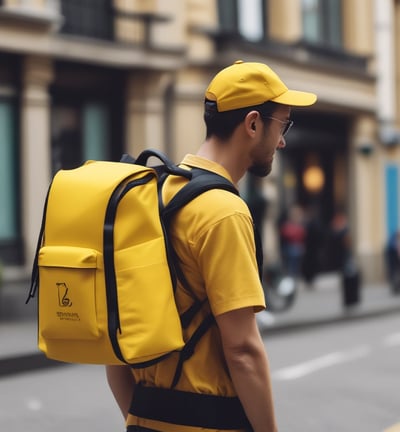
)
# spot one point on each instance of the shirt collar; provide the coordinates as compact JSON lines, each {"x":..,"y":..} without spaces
{"x":195,"y":161}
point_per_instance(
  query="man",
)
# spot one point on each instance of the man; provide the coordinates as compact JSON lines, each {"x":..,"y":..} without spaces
{"x":247,"y":114}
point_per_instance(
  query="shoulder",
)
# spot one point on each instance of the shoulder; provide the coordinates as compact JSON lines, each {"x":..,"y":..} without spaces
{"x":215,"y":201}
{"x":221,"y":202}
{"x":215,"y":213}
{"x":217,"y":216}
{"x":210,"y":208}
{"x":216,"y":206}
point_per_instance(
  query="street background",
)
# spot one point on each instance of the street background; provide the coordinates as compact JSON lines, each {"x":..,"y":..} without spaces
{"x":93,"y":79}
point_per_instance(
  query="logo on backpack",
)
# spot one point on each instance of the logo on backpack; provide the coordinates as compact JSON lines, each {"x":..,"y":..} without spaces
{"x":63,"y":299}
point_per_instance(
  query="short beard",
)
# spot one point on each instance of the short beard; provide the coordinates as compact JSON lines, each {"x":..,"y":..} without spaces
{"x":260,"y":170}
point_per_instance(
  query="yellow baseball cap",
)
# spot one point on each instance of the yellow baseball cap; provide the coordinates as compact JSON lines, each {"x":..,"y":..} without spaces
{"x":245,"y":84}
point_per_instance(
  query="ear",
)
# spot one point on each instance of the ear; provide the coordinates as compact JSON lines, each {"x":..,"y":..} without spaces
{"x":250,"y":122}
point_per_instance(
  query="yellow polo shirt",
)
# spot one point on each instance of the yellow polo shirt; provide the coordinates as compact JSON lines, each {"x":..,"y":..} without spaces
{"x":213,"y":237}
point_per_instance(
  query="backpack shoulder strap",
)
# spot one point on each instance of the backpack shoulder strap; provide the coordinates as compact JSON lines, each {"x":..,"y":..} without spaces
{"x":200,"y":182}
{"x":203,"y":180}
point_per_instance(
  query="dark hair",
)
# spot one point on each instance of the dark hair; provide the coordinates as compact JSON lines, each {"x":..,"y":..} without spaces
{"x":223,"y":124}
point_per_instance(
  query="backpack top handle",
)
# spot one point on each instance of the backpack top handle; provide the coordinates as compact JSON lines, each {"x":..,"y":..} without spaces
{"x":170,"y":167}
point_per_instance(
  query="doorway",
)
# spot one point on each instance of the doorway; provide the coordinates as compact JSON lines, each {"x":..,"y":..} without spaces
{"x":314,"y":177}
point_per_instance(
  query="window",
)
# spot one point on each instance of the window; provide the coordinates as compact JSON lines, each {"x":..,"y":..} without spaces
{"x":392,"y":201}
{"x":87,"y":114}
{"x":250,"y":19}
{"x":79,"y":132}
{"x":322,"y":22}
{"x":9,"y":190}
{"x":96,"y":131}
{"x":91,"y":18}
{"x":242,"y":17}
{"x":227,"y":12}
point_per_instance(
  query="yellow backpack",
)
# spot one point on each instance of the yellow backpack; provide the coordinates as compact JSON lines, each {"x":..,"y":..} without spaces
{"x":104,"y":270}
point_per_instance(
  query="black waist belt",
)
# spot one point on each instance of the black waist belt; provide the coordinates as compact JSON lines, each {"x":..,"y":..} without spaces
{"x":189,"y":409}
{"x":136,"y":428}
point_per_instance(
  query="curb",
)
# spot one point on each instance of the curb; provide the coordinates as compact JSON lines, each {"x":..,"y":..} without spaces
{"x":29,"y":362}
{"x":295,"y":326}
{"x":26,"y":363}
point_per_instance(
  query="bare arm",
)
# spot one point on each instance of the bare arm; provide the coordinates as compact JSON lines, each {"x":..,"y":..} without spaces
{"x":248,"y":365}
{"x":122,"y":384}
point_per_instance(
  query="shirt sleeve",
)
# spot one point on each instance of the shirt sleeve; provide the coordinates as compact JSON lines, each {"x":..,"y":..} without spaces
{"x":227,"y":260}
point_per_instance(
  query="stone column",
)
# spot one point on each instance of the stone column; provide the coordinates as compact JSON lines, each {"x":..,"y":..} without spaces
{"x":37,"y":74}
{"x":145,"y":111}
{"x":397,"y":58}
{"x":366,"y":198}
{"x":284,"y":20}
{"x":188,"y":125}
{"x":201,"y":16}
{"x":357,"y":25}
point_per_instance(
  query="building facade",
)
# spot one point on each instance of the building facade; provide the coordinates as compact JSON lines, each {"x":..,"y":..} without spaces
{"x":91,"y":79}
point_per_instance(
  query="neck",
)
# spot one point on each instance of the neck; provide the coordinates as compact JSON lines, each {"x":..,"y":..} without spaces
{"x":224,"y":153}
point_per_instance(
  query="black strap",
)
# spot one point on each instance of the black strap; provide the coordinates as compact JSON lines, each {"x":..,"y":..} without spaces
{"x":137,"y":428}
{"x":189,"y":409}
{"x":188,"y":315}
{"x":108,"y":257}
{"x":35,"y":266}
{"x":259,"y":251}
{"x":170,"y":167}
{"x":188,"y":350}
{"x":202,"y":181}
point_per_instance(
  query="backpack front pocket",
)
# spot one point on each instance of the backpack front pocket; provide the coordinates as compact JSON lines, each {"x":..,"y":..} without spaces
{"x":67,"y":293}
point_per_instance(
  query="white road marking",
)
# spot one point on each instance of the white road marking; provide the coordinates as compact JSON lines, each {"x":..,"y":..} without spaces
{"x":34,"y":404}
{"x":314,"y":365}
{"x":392,"y":340}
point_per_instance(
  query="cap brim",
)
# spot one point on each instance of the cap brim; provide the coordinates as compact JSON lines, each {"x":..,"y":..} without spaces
{"x":295,"y":98}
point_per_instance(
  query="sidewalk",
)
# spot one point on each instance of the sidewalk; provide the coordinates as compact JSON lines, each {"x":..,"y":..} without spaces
{"x":321,"y":305}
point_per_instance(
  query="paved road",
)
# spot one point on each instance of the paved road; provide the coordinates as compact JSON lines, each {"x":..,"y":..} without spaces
{"x":340,"y":378}
{"x":345,"y":373}
{"x":345,"y":377}
{"x":62,"y":399}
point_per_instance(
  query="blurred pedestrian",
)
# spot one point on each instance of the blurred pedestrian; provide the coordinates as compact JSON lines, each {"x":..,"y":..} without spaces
{"x":257,"y":202}
{"x":340,"y":239}
{"x":314,"y":240}
{"x":392,"y":256}
{"x":293,"y":235}
{"x":226,"y":383}
{"x":343,"y":258}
